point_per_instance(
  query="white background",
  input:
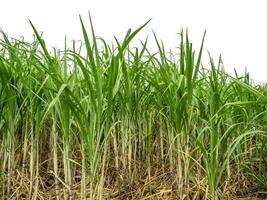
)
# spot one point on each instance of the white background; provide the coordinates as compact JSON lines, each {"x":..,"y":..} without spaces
{"x":235,"y":28}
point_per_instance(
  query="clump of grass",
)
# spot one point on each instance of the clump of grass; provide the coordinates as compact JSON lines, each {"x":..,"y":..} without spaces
{"x":84,"y":125}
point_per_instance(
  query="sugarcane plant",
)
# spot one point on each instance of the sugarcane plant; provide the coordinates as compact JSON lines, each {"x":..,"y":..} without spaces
{"x":94,"y":120}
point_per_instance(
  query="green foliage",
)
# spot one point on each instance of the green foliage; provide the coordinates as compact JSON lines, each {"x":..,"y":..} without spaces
{"x":118,"y":103}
